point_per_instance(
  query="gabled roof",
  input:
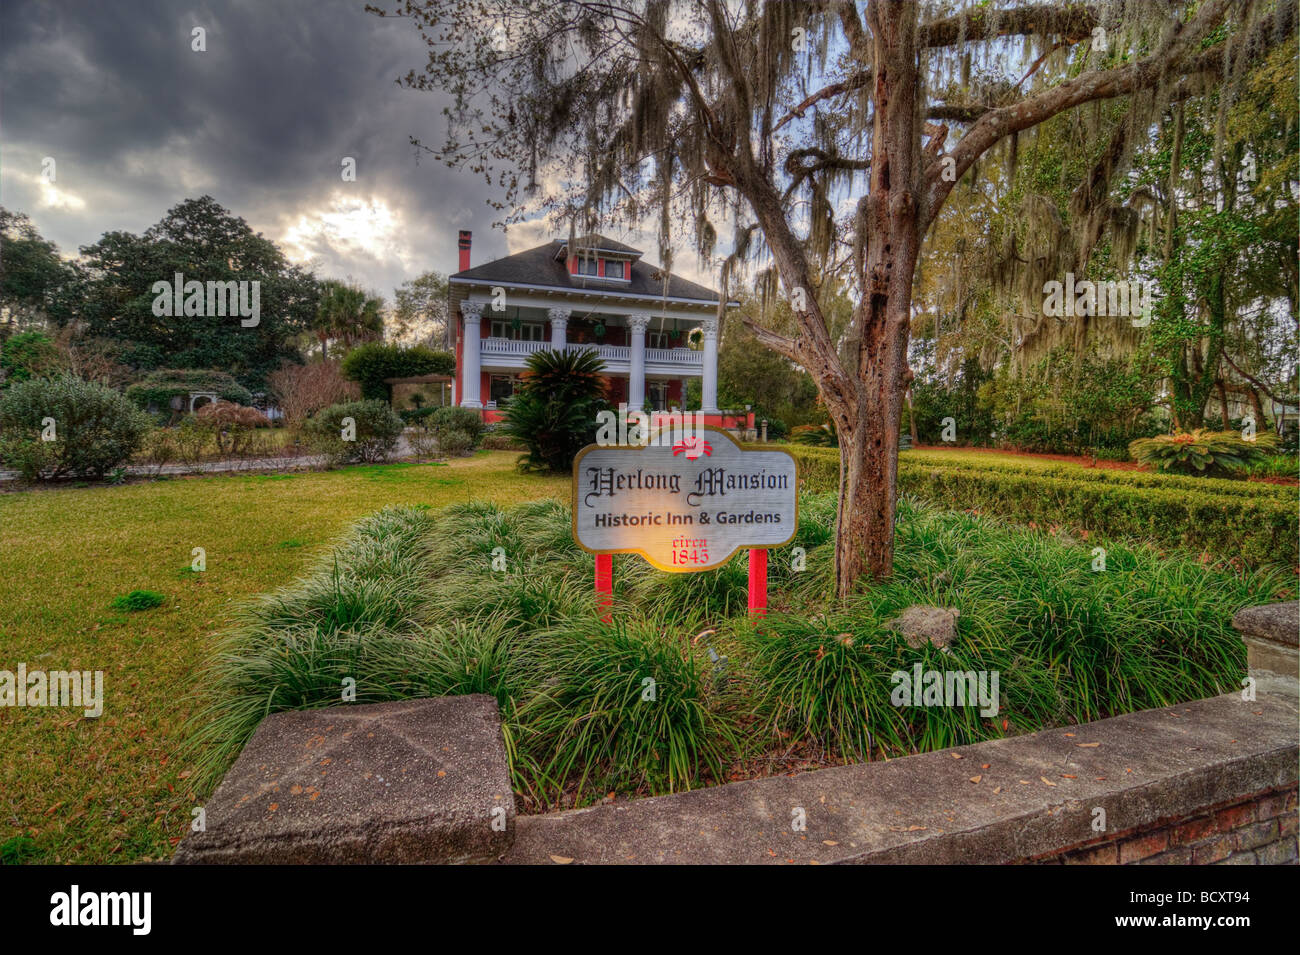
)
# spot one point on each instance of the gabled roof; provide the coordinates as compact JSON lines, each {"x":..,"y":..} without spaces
{"x":544,"y":268}
{"x":598,"y":243}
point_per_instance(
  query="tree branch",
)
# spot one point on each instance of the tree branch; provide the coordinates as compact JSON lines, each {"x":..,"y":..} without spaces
{"x":773,"y":340}
{"x":1072,"y":21}
{"x":1085,"y":88}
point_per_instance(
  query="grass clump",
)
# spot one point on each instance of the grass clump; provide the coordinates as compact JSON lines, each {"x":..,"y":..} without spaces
{"x":137,"y":600}
{"x":480,"y":599}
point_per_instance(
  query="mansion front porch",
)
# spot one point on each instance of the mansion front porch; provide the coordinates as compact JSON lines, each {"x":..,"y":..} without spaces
{"x":646,"y":360}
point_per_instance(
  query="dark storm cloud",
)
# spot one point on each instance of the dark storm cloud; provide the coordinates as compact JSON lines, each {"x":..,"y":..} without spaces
{"x":137,"y":121}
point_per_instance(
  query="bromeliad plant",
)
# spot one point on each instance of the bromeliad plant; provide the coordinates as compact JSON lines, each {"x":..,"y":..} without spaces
{"x":1202,"y":452}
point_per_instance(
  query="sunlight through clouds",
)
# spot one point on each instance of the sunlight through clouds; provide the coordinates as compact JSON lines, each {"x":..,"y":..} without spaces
{"x":348,"y":227}
{"x":52,"y":197}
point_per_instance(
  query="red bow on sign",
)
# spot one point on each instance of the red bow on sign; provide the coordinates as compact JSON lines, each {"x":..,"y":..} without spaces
{"x":693,"y":447}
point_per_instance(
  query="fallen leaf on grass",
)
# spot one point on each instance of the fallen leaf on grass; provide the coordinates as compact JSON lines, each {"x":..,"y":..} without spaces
{"x":976,"y":779}
{"x":1087,"y":745}
{"x":560,"y":860}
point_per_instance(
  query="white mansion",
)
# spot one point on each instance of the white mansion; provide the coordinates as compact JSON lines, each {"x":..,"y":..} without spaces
{"x":597,"y":294}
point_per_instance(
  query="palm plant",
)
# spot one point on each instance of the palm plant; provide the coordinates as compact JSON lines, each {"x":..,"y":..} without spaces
{"x":554,"y":411}
{"x":1202,"y":452}
{"x":346,"y":314}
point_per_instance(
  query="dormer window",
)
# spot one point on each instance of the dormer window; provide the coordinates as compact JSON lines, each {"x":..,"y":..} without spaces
{"x":588,"y":265}
{"x":614,"y":269}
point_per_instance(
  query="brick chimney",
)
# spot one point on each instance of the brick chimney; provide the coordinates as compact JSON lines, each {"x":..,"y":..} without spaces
{"x":462,"y":243}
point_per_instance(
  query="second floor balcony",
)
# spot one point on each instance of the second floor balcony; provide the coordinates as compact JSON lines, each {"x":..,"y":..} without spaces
{"x":512,"y":353}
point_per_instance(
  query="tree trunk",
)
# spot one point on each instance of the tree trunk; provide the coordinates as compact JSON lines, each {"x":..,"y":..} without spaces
{"x":911,"y":417}
{"x":878,"y":354}
{"x":1257,"y":408}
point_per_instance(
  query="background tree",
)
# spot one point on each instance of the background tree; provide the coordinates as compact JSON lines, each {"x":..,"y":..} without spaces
{"x":824,"y":125}
{"x":347,"y":316}
{"x":34,"y":278}
{"x":420,"y":313}
{"x":204,"y":242}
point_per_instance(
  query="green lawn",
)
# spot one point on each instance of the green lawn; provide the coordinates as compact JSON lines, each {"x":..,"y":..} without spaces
{"x":110,"y":789}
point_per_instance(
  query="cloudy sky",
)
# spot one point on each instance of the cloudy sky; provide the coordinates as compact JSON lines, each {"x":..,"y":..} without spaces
{"x":137,"y":121}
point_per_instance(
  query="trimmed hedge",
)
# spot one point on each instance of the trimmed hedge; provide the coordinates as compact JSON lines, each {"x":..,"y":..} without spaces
{"x":1069,"y":472}
{"x":1251,"y":523}
{"x":370,"y":364}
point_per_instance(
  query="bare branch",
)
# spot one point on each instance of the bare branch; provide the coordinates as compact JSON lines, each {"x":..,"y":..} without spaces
{"x":773,"y":340}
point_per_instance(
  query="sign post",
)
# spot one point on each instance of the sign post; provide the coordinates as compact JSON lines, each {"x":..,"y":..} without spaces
{"x":685,"y":504}
{"x":605,"y":585}
{"x":758,"y":582}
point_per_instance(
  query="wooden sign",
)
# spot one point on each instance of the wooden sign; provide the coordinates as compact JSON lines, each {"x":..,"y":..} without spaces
{"x":686,"y":504}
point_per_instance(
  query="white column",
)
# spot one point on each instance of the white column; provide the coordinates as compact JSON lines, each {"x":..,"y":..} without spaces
{"x":709,"y":386}
{"x":472,"y":312}
{"x":636,"y":325}
{"x":559,"y":322}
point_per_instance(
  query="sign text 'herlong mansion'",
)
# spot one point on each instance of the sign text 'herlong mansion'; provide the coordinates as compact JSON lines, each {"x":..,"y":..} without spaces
{"x":683,"y":503}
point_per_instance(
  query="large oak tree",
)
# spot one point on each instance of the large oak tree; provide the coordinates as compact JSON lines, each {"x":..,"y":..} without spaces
{"x":830,"y":133}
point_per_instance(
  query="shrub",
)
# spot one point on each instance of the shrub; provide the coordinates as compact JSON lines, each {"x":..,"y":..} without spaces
{"x":302,"y":390}
{"x":443,"y":421}
{"x":231,"y":426}
{"x":815,"y":435}
{"x":553,"y":413}
{"x":1202,"y":451}
{"x":626,"y":708}
{"x":158,"y":450}
{"x":417,"y":416}
{"x":410,"y":606}
{"x":1257,"y":529}
{"x":95,"y":428}
{"x":1273,"y":465}
{"x":27,"y":355}
{"x":423,"y":443}
{"x":377,"y":432}
{"x":455,"y":442}
{"x":370,"y":364}
{"x":1255,"y":523}
{"x":192,"y":441}
{"x":502,"y":442}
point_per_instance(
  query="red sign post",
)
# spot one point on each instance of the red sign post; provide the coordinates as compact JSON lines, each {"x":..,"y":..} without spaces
{"x":758,"y":582}
{"x":605,"y":586}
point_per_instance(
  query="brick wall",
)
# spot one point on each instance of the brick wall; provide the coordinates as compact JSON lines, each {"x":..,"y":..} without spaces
{"x":1259,"y":830}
